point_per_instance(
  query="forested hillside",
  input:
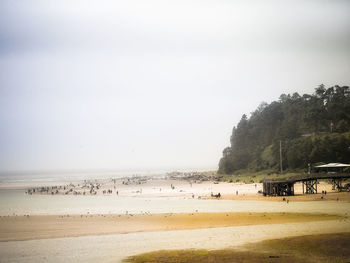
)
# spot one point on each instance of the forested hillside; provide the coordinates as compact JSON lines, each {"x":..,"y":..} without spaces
{"x":312,"y":129}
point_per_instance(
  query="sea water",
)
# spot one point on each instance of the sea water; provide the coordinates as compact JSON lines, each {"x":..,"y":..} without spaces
{"x":77,"y":175}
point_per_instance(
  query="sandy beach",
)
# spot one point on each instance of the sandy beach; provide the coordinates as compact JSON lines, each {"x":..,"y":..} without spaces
{"x":157,"y":187}
{"x":115,"y":248}
{"x":307,"y":249}
{"x":147,"y":214}
{"x":330,"y":196}
{"x":17,"y":228}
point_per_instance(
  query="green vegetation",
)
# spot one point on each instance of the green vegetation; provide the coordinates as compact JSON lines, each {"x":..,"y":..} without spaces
{"x":244,"y":176}
{"x":312,"y":129}
{"x":314,"y":248}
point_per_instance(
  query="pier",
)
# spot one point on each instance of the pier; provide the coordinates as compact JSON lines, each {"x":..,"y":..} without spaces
{"x":274,"y":187}
{"x":285,"y":187}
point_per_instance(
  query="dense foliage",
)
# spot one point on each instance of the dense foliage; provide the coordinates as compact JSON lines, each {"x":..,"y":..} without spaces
{"x":312,"y":129}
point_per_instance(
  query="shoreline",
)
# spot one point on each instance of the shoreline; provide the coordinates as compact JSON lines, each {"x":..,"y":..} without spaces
{"x":20,"y":228}
{"x":152,"y":187}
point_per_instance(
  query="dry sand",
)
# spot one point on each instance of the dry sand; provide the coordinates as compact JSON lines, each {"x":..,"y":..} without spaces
{"x":330,"y":196}
{"x":39,"y":227}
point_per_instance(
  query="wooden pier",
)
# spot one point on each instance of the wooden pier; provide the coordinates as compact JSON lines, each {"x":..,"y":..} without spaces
{"x":280,"y":187}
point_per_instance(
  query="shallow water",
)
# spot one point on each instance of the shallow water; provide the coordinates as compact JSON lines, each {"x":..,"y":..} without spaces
{"x":18,"y":203}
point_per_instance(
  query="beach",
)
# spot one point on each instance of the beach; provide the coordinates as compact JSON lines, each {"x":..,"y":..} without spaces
{"x":148,"y":214}
{"x":115,"y":248}
{"x":308,"y":249}
{"x":17,"y":228}
{"x":165,"y":186}
{"x":174,"y":131}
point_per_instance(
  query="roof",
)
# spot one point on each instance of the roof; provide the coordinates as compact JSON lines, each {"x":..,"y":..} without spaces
{"x":333,"y":165}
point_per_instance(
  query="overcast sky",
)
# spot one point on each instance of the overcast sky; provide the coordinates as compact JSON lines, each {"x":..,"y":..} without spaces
{"x":153,"y":84}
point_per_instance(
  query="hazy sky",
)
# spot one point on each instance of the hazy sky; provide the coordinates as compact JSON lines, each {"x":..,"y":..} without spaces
{"x":153,"y":84}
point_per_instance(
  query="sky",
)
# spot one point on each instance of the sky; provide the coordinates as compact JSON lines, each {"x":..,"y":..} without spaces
{"x":154,"y":84}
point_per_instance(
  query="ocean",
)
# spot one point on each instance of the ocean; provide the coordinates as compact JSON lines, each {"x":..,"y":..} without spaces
{"x":71,"y":175}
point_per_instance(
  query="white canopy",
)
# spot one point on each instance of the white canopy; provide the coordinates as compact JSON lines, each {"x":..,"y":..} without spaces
{"x":333,"y":165}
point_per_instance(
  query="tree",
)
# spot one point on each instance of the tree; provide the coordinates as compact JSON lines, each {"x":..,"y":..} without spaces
{"x":255,"y":140}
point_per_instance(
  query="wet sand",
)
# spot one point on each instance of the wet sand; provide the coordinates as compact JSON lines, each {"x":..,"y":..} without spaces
{"x":115,"y":248}
{"x":330,"y":248}
{"x":17,"y":228}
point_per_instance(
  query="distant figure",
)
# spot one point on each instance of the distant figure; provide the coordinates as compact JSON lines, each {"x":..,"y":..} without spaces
{"x":255,"y":185}
{"x":287,"y":201}
{"x":325,"y":192}
{"x":117,"y":193}
{"x":216,"y":196}
{"x":236,"y":192}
